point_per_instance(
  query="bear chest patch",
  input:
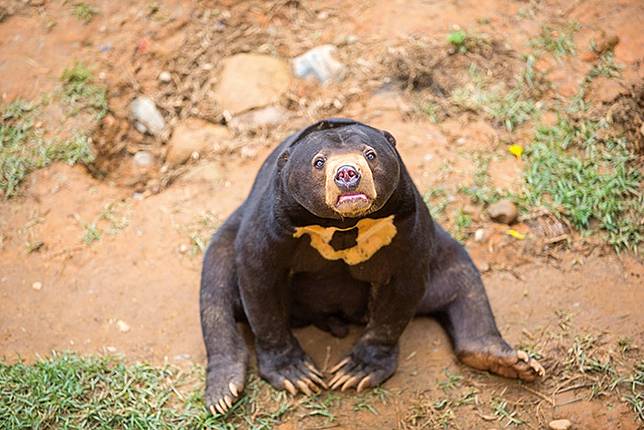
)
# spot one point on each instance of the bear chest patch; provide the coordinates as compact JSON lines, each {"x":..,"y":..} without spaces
{"x":354,"y":244}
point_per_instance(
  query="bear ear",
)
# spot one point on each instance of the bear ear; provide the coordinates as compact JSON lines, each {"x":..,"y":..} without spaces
{"x":390,"y":138}
{"x":283,"y":158}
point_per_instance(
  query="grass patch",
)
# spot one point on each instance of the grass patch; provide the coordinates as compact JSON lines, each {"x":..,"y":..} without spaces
{"x":591,"y":180}
{"x":23,"y":148}
{"x":84,"y":12}
{"x":73,"y":392}
{"x":557,"y":40}
{"x":507,"y":108}
{"x":81,"y":92}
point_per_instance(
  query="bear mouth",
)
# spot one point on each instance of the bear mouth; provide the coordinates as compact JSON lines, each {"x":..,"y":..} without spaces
{"x":352,"y":198}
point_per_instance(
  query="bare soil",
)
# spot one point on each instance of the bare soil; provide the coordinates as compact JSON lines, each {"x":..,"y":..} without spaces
{"x":144,"y":269}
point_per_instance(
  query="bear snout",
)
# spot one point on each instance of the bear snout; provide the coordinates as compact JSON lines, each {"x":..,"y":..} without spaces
{"x":347,"y":177}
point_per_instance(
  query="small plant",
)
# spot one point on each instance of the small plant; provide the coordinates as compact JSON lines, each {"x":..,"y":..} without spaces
{"x":462,"y":223}
{"x":557,"y":40}
{"x":91,"y":234}
{"x":84,"y":12}
{"x":501,"y":410}
{"x":606,"y":67}
{"x":80,"y":91}
{"x":457,"y":39}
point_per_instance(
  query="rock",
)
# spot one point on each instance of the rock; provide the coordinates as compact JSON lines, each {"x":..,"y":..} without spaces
{"x":37,"y":286}
{"x":256,"y":118}
{"x":479,"y":235}
{"x":319,"y":63}
{"x":560,"y":425}
{"x":206,"y":172}
{"x":194,"y":136}
{"x":250,"y":81}
{"x":165,"y":76}
{"x":143,"y":159}
{"x":122,"y":326}
{"x":503,"y":211}
{"x":145,"y":113}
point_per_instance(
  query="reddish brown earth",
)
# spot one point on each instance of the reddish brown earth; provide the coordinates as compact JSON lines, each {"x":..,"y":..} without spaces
{"x":147,"y":275}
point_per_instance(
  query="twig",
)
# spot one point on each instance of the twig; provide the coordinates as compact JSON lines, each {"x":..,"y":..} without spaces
{"x":539,"y":394}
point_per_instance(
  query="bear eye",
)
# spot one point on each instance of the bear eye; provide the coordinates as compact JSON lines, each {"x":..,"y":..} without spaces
{"x":318,"y":162}
{"x":370,"y":155}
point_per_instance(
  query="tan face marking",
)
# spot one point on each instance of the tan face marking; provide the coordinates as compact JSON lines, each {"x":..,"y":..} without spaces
{"x":355,"y":207}
{"x":373,"y":234}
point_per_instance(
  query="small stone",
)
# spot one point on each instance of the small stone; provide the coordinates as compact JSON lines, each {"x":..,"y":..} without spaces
{"x":484,"y":267}
{"x":110,"y":349}
{"x":37,"y":285}
{"x":256,"y":118}
{"x":165,"y":76}
{"x":183,"y":248}
{"x":145,"y":112}
{"x":122,"y":326}
{"x":143,"y":159}
{"x":319,"y":63}
{"x":503,"y":211}
{"x":479,"y":235}
{"x":560,"y":425}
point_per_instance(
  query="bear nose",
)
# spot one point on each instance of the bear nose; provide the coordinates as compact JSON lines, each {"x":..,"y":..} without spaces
{"x":347,"y":177}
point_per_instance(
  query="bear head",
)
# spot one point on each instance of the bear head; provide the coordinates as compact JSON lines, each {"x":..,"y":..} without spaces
{"x":340,"y":168}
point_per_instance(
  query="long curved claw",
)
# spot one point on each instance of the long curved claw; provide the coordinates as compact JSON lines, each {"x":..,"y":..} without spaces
{"x":350,"y":383}
{"x":340,"y":381}
{"x":234,"y":389}
{"x":303,"y":387}
{"x":313,"y":369}
{"x":364,"y":383}
{"x":340,"y":364}
{"x":290,"y":387}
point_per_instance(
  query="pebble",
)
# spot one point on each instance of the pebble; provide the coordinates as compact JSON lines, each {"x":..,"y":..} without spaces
{"x":144,"y":112}
{"x":479,"y":235}
{"x":37,"y":285}
{"x":560,"y":425}
{"x":319,"y":63}
{"x":165,"y":76}
{"x":122,"y":326}
{"x":143,"y":159}
{"x":503,"y":211}
{"x":183,"y":248}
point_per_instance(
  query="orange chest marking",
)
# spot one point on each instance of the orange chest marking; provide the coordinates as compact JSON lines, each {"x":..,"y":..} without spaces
{"x":373,"y":234}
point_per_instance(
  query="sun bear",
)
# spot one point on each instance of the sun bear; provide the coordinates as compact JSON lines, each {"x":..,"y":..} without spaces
{"x":334,"y":232}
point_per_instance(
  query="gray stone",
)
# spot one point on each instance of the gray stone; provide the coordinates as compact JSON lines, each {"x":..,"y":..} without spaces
{"x":503,"y":211}
{"x":256,"y":118}
{"x":145,"y":113}
{"x":320,"y":64}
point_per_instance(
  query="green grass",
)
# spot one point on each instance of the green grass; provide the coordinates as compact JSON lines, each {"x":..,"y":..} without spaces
{"x":509,"y":108}
{"x":591,"y":180}
{"x":84,"y":12}
{"x":23,"y":148}
{"x":73,"y":392}
{"x":81,"y":92}
{"x":557,"y":40}
{"x":457,"y":39}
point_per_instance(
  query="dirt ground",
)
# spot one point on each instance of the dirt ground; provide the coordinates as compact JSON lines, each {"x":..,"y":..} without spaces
{"x":135,"y":290}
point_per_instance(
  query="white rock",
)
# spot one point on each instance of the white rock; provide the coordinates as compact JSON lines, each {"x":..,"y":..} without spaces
{"x":145,"y":112}
{"x":122,"y":326}
{"x":165,"y":76}
{"x":263,"y":117}
{"x":560,"y":424}
{"x":319,"y":63}
{"x":143,"y":159}
{"x":503,"y":211}
{"x":479,"y":235}
{"x":37,"y":285}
